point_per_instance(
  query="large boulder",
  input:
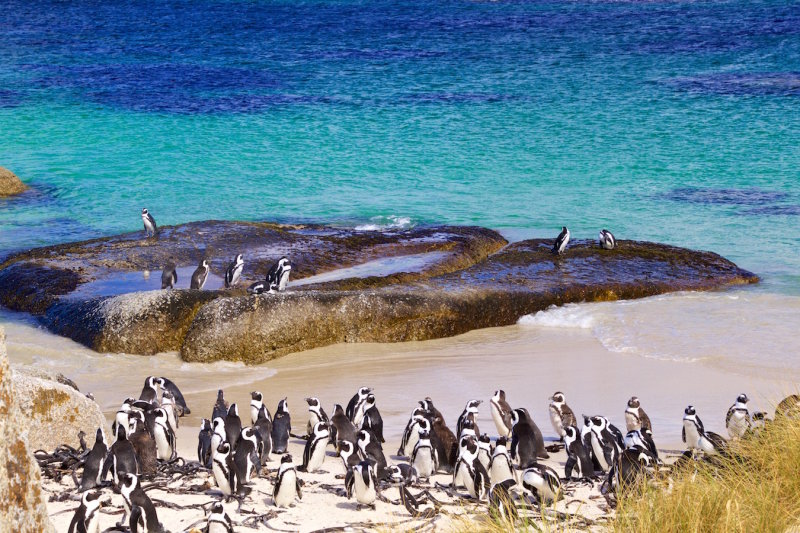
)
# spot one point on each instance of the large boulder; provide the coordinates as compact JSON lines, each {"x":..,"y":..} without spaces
{"x":521,"y":279}
{"x":10,"y":184}
{"x":22,"y":504}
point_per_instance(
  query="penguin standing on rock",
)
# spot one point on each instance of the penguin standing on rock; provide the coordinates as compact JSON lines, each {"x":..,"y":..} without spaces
{"x":606,"y":240}
{"x":139,"y":506}
{"x":501,"y":413}
{"x":200,"y":275}
{"x":93,"y":465}
{"x":281,"y":427}
{"x":169,"y":276}
{"x":561,"y":416}
{"x":150,"y":227}
{"x":234,"y":272}
{"x":287,"y":484}
{"x":737,"y":421}
{"x":561,"y":241}
{"x":85,"y":519}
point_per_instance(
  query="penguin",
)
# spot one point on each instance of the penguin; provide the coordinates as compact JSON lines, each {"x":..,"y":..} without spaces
{"x":200,"y":275}
{"x":697,"y":438}
{"x":256,"y":402}
{"x":233,"y":425}
{"x":287,"y":484}
{"x":150,"y":227}
{"x":204,"y":443}
{"x":485,"y":450}
{"x":561,"y":416}
{"x":604,"y":440}
{"x":234,"y":272}
{"x":138,"y":505}
{"x":468,"y":429}
{"x":424,"y":458}
{"x":362,"y":482}
{"x":402,"y":474}
{"x":168,"y":405}
{"x":144,"y":445}
{"x":501,"y":503}
{"x":223,"y":469}
{"x":218,"y":520}
{"x":633,"y":465}
{"x":169,"y":276}
{"x":281,"y":427}
{"x":467,"y":453}
{"x":164,"y":436}
{"x":606,"y":240}
{"x":635,"y":417}
{"x":93,"y":465}
{"x":641,"y":438}
{"x":220,"y":406}
{"x":527,"y":442}
{"x":278,"y":275}
{"x":121,"y":458}
{"x":347,"y":451}
{"x":469,"y":413}
{"x":371,"y":450}
{"x":442,"y":438}
{"x":341,"y":427}
{"x":543,"y":482}
{"x":578,"y":460}
{"x":355,"y":403}
{"x":427,"y":405}
{"x":316,"y":414}
{"x":263,"y":426}
{"x":246,"y":458}
{"x":737,"y":421}
{"x":411,"y":433}
{"x":500,"y":468}
{"x":501,"y":413}
{"x":85,"y":519}
{"x":314,"y":452}
{"x":167,"y":385}
{"x":218,"y":435}
{"x":122,"y":418}
{"x":150,"y":390}
{"x":372,"y":419}
{"x":560,"y":244}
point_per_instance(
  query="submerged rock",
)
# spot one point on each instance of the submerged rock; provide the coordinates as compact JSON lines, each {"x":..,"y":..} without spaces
{"x":22,"y":504}
{"x":10,"y":184}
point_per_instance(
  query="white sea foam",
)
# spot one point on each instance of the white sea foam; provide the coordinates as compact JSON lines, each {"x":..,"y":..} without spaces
{"x":568,"y":316}
{"x":385,"y":222}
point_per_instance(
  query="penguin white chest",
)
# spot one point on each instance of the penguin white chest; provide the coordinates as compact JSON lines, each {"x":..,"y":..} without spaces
{"x":365,"y":493}
{"x":599,"y":452}
{"x":557,"y":421}
{"x":285,"y":496}
{"x":423,"y":462}
{"x":692,"y":435}
{"x":413,"y":438}
{"x":221,"y":477}
{"x":501,"y":470}
{"x":500,"y":424}
{"x":317,"y":455}
{"x":632,"y":422}
{"x":162,"y":444}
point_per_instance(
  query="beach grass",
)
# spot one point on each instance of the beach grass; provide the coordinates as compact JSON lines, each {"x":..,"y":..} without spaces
{"x":757,"y":488}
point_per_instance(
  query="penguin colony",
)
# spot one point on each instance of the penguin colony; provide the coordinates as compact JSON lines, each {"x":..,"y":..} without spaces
{"x":276,"y":279}
{"x":497,"y":467}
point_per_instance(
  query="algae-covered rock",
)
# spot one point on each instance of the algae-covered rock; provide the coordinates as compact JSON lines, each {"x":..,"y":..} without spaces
{"x":10,"y":184}
{"x":22,"y":505}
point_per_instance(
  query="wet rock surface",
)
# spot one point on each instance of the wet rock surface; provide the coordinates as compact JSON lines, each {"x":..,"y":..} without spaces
{"x":428,"y":283}
{"x":10,"y":184}
{"x":22,"y":504}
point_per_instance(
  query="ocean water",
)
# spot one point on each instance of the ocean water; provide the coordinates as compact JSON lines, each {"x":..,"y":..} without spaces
{"x":671,"y":121}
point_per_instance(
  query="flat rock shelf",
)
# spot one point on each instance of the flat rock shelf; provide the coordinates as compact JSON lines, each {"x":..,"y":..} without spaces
{"x":347,"y":285}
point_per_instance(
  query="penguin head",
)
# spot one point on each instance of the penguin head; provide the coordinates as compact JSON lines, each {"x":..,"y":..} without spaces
{"x":689,"y":411}
{"x":233,"y":410}
{"x":150,"y":382}
{"x":742,"y":398}
{"x":144,"y":211}
{"x":224,"y":448}
{"x":91,"y":499}
{"x":499,"y":395}
{"x":338,"y":409}
{"x":468,"y":425}
{"x":424,"y":424}
{"x":205,"y":424}
{"x":363,"y":392}
{"x":395,"y":474}
{"x":472,"y":406}
{"x":598,"y":422}
{"x":239,"y":259}
{"x":219,"y":426}
{"x":204,"y":263}
{"x":370,"y":401}
{"x":423,"y":434}
{"x":167,"y":397}
{"x":99,"y":437}
{"x":516,"y":416}
{"x":287,"y":458}
{"x":256,"y":396}
{"x":633,"y":403}
{"x":468,"y":444}
{"x":484,"y":438}
{"x":501,"y":441}
{"x":312,"y":402}
{"x":557,"y":397}
{"x":217,"y":508}
{"x":283,"y":406}
{"x":563,"y":228}
{"x":283,"y":261}
{"x":364,"y":438}
{"x":321,"y":429}
{"x":122,"y":433}
{"x":128,"y":482}
{"x":345,"y":448}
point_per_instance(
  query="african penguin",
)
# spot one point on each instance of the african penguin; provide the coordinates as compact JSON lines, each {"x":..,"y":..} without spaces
{"x":220,"y":406}
{"x":372,"y":419}
{"x":424,"y":458}
{"x":560,"y":244}
{"x":411,"y":433}
{"x":500,"y":468}
{"x":501,"y":413}
{"x":168,"y":404}
{"x":442,"y":437}
{"x":287,"y":484}
{"x":633,"y":466}
{"x":281,"y":427}
{"x":362,"y":482}
{"x":355,"y":403}
{"x":93,"y":464}
{"x":527,"y":442}
{"x":164,"y":436}
{"x":341,"y":427}
{"x":234,"y":272}
{"x":223,"y":469}
{"x":85,"y":519}
{"x":180,"y":402}
{"x":561,"y":415}
{"x":144,"y":445}
{"x":204,"y":443}
{"x":149,"y":390}
{"x":635,"y":417}
{"x":218,"y":435}
{"x":121,"y":458}
{"x":468,"y":453}
{"x":604,"y":440}
{"x":469,"y":413}
{"x":150,"y":227}
{"x":404,"y":474}
{"x":263,"y":426}
{"x":245,"y":458}
{"x":314,"y":452}
{"x":485,"y":450}
{"x":347,"y":451}
{"x":501,"y":502}
{"x":218,"y":520}
{"x":697,"y":438}
{"x":543,"y":482}
{"x":169,"y":276}
{"x":256,"y":402}
{"x":316,"y":414}
{"x":233,"y":425}
{"x":199,"y":276}
{"x":138,"y":505}
{"x":642,"y":438}
{"x":606,"y":240}
{"x":370,"y":450}
{"x":737,"y":421}
{"x":281,"y":277}
{"x":578,"y":460}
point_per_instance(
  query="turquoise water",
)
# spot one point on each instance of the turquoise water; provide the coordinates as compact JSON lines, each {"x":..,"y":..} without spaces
{"x":676,"y":122}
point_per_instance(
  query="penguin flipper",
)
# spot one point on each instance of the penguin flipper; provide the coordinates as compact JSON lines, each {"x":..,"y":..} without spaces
{"x":349,"y":482}
{"x":297,"y":488}
{"x":570,"y":464}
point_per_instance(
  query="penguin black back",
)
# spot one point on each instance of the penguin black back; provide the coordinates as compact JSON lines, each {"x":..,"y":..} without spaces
{"x":93,"y":466}
{"x":281,"y":427}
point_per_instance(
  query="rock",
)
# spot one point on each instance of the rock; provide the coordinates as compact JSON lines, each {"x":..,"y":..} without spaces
{"x":521,"y":279}
{"x":22,"y":505}
{"x":10,"y":184}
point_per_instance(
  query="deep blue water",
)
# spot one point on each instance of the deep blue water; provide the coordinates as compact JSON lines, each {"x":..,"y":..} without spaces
{"x":672,"y":121}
